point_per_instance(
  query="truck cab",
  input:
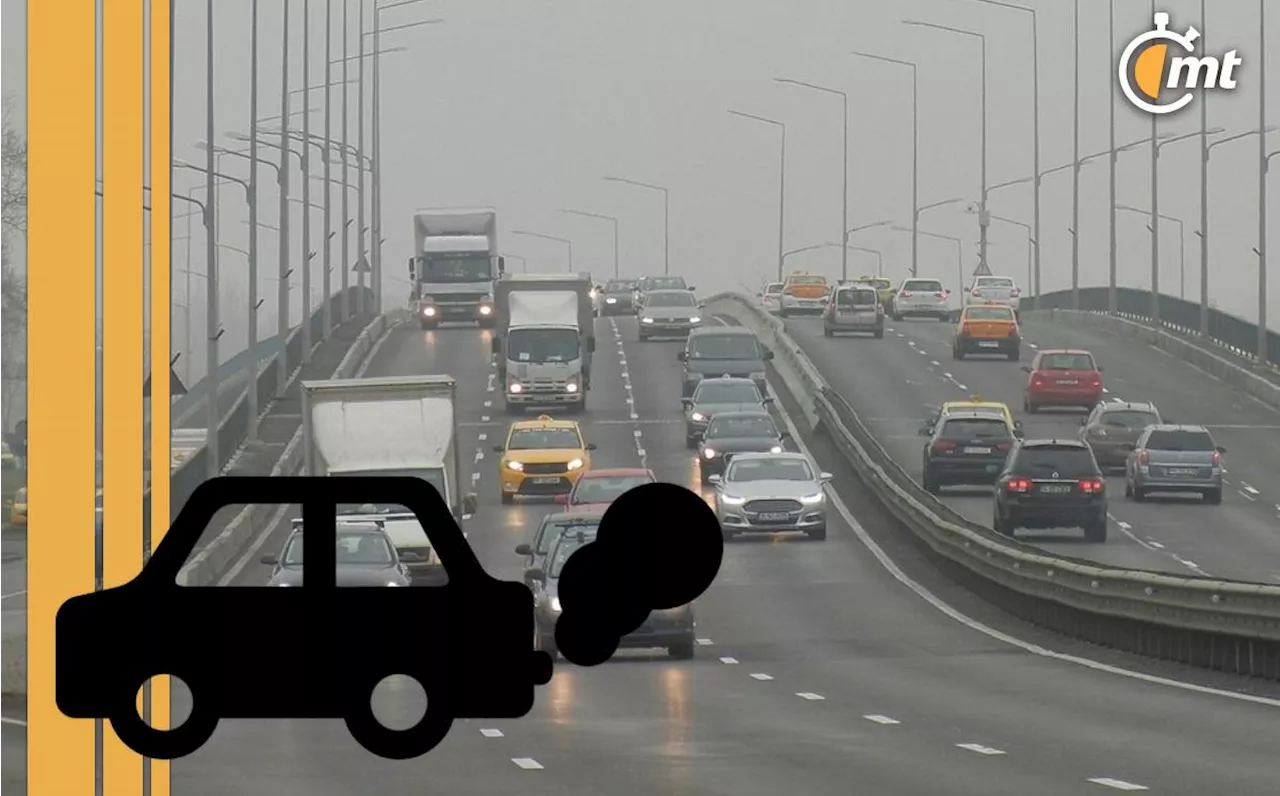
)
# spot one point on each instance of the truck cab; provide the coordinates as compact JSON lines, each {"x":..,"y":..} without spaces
{"x":455,"y":266}
{"x":545,"y":339}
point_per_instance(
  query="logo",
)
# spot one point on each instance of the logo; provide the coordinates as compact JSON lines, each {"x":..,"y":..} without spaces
{"x":1147,"y":68}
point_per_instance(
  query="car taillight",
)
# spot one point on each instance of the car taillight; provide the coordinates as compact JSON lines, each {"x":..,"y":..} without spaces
{"x":964,"y":328}
{"x":1016,"y":292}
{"x":1144,"y":457}
{"x":939,"y":447}
{"x":1004,"y":446}
{"x":906,"y":294}
{"x":786,"y":291}
{"x":1091,"y":486}
{"x":976,"y":292}
{"x":943,"y":294}
{"x":1216,"y":458}
{"x":1095,"y":380}
{"x":1019,"y":485}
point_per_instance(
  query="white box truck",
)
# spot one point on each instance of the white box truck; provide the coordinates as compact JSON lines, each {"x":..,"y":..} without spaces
{"x":544,"y":339}
{"x":454,"y":266}
{"x":397,"y":425}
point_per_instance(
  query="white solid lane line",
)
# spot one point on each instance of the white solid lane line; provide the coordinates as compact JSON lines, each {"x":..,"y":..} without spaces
{"x":12,"y":722}
{"x":1116,"y":784}
{"x":13,"y":594}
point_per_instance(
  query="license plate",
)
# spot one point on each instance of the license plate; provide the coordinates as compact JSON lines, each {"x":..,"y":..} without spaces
{"x":1068,"y":381}
{"x":988,"y":344}
{"x":1180,"y":471}
{"x":545,"y":398}
{"x":774,"y":515}
{"x":977,"y":450}
{"x":1056,"y":489}
{"x":546,"y":480}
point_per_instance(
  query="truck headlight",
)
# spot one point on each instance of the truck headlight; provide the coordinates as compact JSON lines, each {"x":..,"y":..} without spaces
{"x":517,"y":466}
{"x":611,"y":300}
{"x":571,"y":387}
{"x":429,"y":311}
{"x":810,"y":500}
{"x":485,"y":309}
{"x":646,"y":320}
{"x":776,"y":449}
{"x":697,"y":417}
{"x":392,"y":583}
{"x":709,"y":453}
{"x":555,"y":605}
{"x":695,"y":319}
{"x":575,"y":464}
{"x":515,"y":388}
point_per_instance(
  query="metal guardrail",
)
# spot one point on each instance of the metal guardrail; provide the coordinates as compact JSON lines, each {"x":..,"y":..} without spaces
{"x":1219,"y":624}
{"x":235,"y":425}
{"x":1179,"y":316}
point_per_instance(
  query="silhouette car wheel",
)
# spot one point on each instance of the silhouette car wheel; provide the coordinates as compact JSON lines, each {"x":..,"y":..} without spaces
{"x":164,"y":744}
{"x":417,"y":740}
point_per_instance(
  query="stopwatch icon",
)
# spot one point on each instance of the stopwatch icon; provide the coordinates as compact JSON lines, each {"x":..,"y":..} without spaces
{"x":1186,"y":41}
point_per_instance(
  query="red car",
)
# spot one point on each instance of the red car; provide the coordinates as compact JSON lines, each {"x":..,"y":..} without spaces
{"x":1063,"y":377}
{"x":596,"y":489}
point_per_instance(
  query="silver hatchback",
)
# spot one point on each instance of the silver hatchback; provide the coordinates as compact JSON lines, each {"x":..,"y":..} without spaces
{"x":854,"y":308}
{"x":1174,"y":458}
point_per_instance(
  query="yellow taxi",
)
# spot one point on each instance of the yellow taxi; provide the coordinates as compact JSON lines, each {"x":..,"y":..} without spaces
{"x":884,"y":287}
{"x":988,"y":328}
{"x":976,"y":403}
{"x":542,"y":458}
{"x":18,"y":511}
{"x":804,"y":292}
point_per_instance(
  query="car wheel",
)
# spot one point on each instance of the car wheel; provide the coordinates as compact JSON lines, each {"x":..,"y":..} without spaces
{"x":397,"y":744}
{"x":691,"y":443}
{"x":944,"y":318}
{"x":956,"y":353}
{"x":817,"y":534}
{"x":728,"y":535}
{"x":164,"y":744}
{"x":428,"y":325}
{"x":703,"y":475}
{"x":999,"y":525}
{"x":1015,"y":355}
{"x":644,"y":338}
{"x":512,"y":409}
{"x":929,"y":483}
{"x":1030,"y":407}
{"x":827,"y":332}
{"x":878,"y":334}
{"x":682,"y":650}
{"x":1128,"y":487}
{"x":896,"y":318}
{"x":1096,"y":531}
{"x":1213,"y":496}
{"x":782,"y":313}
{"x":1139,"y":494}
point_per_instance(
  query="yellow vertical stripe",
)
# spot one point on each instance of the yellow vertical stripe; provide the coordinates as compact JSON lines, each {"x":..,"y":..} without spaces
{"x":158,"y":82}
{"x":122,"y":330}
{"x":60,"y":357}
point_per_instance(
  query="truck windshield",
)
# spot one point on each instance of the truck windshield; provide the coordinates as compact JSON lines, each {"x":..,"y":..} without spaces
{"x":469,"y":267}
{"x":543,"y":345}
{"x":433,"y":476}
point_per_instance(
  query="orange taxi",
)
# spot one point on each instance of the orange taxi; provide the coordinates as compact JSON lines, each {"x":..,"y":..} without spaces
{"x":804,"y":292}
{"x":988,"y":328}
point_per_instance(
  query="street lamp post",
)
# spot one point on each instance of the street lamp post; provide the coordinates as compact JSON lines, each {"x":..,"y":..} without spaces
{"x":915,"y":151}
{"x":960,"y":280}
{"x":565,"y":241}
{"x":879,"y":254}
{"x":1156,"y":146}
{"x":782,"y":177}
{"x":213,"y":465}
{"x":326,"y":310}
{"x":282,"y":172}
{"x":305,"y":315}
{"x":1263,"y":353}
{"x":614,"y":221}
{"x":983,"y":221}
{"x":666,"y":216}
{"x":1182,"y":242}
{"x":844,"y":179}
{"x":344,"y":307}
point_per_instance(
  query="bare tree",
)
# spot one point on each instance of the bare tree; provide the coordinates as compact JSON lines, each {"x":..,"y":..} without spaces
{"x":13,"y":283}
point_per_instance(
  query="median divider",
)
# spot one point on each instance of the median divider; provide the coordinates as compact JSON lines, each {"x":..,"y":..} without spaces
{"x":1218,"y":624}
{"x":207,"y":566}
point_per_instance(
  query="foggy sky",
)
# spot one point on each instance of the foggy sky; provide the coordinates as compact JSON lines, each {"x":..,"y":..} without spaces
{"x":525,"y":106}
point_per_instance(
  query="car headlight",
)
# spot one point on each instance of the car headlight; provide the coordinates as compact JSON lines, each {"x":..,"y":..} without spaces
{"x":776,"y":449}
{"x":810,"y":500}
{"x":429,"y":311}
{"x":282,"y":585}
{"x":575,"y":464}
{"x":611,"y":300}
{"x":697,"y":417}
{"x":709,"y":453}
{"x":517,"y":466}
{"x":392,"y":583}
{"x":646,"y":320}
{"x":695,"y":319}
{"x":570,"y":387}
{"x":555,"y":605}
{"x":485,"y":309}
{"x":730,"y":500}
{"x":515,"y":388}
{"x":591,"y":293}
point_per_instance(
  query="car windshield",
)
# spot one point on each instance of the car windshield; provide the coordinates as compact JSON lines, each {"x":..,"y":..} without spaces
{"x":561,"y":553}
{"x":354,"y":548}
{"x":551,"y":531}
{"x":469,"y":267}
{"x":1129,"y":418}
{"x":726,"y":394}
{"x":543,"y":345}
{"x":769,"y":469}
{"x":995,"y":281}
{"x":988,"y":314}
{"x":1181,"y":441}
{"x":724,"y":346}
{"x":606,"y":489}
{"x":616,"y":286}
{"x":435,"y":477}
{"x":923,"y":285}
{"x":773,"y":288}
{"x":528,"y":439}
{"x":1066,"y":462}
{"x":753,"y":427}
{"x":670,"y":300}
{"x":665,"y":283}
{"x":854,"y":298}
{"x":809,"y":280}
{"x":1066,"y":362}
{"x":976,"y":428}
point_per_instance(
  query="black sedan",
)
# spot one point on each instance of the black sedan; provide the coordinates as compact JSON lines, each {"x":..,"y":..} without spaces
{"x":729,"y":433}
{"x":365,"y":557}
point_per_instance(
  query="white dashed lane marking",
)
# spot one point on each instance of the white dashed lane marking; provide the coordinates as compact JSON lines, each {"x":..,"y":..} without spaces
{"x":980,"y":749}
{"x":809,"y":695}
{"x":1116,"y":784}
{"x":880,"y":719}
{"x":729,"y":661}
{"x":761,"y":676}
{"x":705,"y":642}
{"x":489,"y":732}
{"x":527,"y":763}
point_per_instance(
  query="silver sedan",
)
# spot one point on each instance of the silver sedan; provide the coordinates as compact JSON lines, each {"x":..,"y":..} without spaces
{"x":771,"y":493}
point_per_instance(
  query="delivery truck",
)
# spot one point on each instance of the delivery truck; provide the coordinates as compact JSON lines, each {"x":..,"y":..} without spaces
{"x":398,"y":425}
{"x":454,"y":266}
{"x":544,"y":339}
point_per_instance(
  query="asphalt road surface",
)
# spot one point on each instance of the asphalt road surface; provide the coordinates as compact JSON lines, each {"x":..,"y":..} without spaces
{"x":889,"y":382}
{"x":818,"y":670}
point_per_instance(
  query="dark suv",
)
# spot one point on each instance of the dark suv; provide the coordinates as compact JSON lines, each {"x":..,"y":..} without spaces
{"x":1113,"y":428}
{"x":1052,"y":483}
{"x":966,"y":449}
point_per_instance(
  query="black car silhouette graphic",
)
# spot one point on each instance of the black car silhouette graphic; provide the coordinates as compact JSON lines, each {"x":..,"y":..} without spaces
{"x":467,"y":643}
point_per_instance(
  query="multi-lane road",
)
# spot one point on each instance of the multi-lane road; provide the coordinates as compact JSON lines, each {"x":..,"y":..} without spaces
{"x":818,"y":670}
{"x":889,"y":382}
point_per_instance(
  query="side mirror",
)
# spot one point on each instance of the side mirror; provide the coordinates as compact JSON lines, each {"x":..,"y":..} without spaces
{"x":1084,"y":421}
{"x":683,"y":356}
{"x":687,"y":402}
{"x":412,"y":263}
{"x":495,"y":345}
{"x":693,"y":287}
{"x":534,"y":575}
{"x":524,"y":550}
{"x":1019,"y":434}
{"x":1100,"y":368}
{"x":768,"y":399}
{"x":824,"y":477}
{"x":785,"y":435}
{"x":411,"y":557}
{"x":925,"y":431}
{"x":714,"y":478}
{"x":1220,"y":449}
{"x":767,"y":355}
{"x":591,"y":446}
{"x":591,"y":345}
{"x":270,"y":560}
{"x":499,"y":449}
{"x":502,"y":265}
{"x":469,"y":503}
{"x":1026,"y":368}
